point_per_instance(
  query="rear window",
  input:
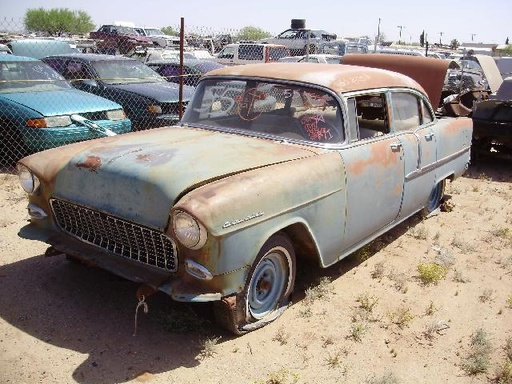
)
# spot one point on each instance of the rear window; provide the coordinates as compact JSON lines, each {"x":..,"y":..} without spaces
{"x":250,"y":52}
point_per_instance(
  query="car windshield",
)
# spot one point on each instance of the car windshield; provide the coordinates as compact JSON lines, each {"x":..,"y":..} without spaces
{"x":154,"y":32}
{"x":125,"y":72}
{"x":267,"y":108}
{"x":29,"y":76}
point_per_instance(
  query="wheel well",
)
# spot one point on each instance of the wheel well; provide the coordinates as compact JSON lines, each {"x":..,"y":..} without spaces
{"x":303,"y":243}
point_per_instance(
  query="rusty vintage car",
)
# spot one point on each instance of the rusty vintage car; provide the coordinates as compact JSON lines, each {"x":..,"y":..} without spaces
{"x":271,"y":165}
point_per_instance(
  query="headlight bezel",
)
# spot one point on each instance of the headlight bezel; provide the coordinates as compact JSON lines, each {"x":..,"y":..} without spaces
{"x":28,"y":180}
{"x":188,"y":230}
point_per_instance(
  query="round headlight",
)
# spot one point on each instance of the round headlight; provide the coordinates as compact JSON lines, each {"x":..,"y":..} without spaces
{"x":29,"y":182}
{"x":188,"y":230}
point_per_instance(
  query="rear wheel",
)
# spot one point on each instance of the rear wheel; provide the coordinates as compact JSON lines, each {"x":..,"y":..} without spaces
{"x":435,"y":198}
{"x":267,"y":291}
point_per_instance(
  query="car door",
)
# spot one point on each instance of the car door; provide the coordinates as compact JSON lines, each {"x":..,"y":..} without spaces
{"x":411,"y":120}
{"x":375,"y":172}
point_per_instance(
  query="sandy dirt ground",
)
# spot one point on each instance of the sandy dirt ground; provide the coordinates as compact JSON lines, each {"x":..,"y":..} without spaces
{"x":372,"y":318}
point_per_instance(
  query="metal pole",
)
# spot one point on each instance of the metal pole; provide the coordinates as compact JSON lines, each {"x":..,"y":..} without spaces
{"x":182,"y":45}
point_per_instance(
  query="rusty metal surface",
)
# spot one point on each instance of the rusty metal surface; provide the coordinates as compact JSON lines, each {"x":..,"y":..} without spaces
{"x":428,"y":72}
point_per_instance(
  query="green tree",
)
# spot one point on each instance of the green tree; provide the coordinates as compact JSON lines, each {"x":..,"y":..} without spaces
{"x":252,"y":33}
{"x":454,"y":44}
{"x":170,"y":31}
{"x":58,"y":21}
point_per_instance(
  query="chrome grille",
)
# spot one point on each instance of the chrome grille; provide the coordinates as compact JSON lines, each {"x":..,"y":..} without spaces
{"x":116,"y":235}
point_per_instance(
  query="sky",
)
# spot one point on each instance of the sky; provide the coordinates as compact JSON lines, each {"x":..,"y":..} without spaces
{"x":442,"y":20}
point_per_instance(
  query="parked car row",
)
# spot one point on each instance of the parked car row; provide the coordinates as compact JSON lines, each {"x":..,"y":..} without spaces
{"x":49,"y":102}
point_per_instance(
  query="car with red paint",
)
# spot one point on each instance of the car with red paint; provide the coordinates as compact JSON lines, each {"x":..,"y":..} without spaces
{"x":271,"y":166}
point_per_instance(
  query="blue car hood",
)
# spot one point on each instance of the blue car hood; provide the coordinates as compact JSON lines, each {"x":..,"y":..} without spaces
{"x":139,"y":176}
{"x":164,"y":92}
{"x":65,"y":102}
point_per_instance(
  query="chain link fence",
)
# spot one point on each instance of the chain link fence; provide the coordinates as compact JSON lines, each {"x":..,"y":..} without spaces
{"x":50,"y":97}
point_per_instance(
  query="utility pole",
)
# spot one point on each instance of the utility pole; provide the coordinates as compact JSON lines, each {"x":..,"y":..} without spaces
{"x":400,"y":27}
{"x":472,"y":36}
{"x":440,"y":36}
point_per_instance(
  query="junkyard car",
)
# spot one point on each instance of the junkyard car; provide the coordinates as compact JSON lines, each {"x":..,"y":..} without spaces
{"x":301,"y":40}
{"x":492,"y":121}
{"x":149,"y":100}
{"x":272,"y":164}
{"x":192,"y":69}
{"x":40,"y":110}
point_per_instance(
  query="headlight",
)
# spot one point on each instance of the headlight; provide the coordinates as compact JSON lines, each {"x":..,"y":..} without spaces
{"x":156,"y":109}
{"x":29,"y":182}
{"x":49,"y":122}
{"x":190,"y":232}
{"x":117,"y":114}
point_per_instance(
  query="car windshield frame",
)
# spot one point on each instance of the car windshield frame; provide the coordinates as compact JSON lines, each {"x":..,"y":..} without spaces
{"x":267,"y":107}
{"x":30,"y":76}
{"x":115,"y":72}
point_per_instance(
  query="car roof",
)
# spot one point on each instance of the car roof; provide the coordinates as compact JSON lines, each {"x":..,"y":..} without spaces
{"x":92,"y":57}
{"x":10,"y":58}
{"x":339,"y":78}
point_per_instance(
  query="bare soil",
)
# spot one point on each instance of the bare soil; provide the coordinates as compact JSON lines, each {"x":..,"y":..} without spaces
{"x":371,"y":318}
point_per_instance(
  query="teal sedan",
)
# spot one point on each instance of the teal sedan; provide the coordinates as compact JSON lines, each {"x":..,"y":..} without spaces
{"x":40,"y":110}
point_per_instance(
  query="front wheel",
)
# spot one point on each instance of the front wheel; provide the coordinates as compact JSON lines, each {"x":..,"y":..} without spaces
{"x":267,"y":291}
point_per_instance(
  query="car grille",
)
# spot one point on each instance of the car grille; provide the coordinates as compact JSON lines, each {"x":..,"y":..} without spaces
{"x":116,"y":235}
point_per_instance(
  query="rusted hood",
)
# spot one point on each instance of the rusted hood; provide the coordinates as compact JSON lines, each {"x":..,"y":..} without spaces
{"x":139,"y":176}
{"x":430,"y":73}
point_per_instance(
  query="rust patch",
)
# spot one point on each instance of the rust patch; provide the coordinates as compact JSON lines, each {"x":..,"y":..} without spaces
{"x":145,"y":291}
{"x":143,"y":158}
{"x":92,"y":163}
{"x":380,"y":155}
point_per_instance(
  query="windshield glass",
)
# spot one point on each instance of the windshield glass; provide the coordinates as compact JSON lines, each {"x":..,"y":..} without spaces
{"x":29,"y":76}
{"x":125,"y":72}
{"x":267,"y":108}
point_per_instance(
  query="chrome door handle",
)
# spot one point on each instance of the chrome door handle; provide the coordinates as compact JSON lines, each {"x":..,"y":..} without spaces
{"x":395,"y":147}
{"x":429,"y":136}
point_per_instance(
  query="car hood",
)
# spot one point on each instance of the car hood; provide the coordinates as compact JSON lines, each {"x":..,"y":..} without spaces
{"x":65,"y":102}
{"x":430,"y":73}
{"x":162,"y":92}
{"x":139,"y":176}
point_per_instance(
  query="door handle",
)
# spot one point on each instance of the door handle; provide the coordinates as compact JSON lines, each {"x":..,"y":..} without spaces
{"x":395,"y":147}
{"x":429,"y":136}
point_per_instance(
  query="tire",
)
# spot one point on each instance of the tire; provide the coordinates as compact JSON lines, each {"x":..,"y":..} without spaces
{"x":267,"y":292}
{"x":435,"y":198}
{"x":12,"y":147}
{"x":298,"y":24}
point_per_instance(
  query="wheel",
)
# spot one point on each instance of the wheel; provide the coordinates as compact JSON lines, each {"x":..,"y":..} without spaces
{"x":435,"y":198}
{"x":267,"y":291}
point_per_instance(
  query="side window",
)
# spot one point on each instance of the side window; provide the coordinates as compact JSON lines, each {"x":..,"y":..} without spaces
{"x":227,"y":53}
{"x":406,"y":114}
{"x":250,"y":52}
{"x":426,"y":113}
{"x":371,"y":115}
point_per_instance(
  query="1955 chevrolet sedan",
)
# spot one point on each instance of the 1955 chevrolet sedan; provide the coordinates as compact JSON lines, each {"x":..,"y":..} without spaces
{"x":271,"y":164}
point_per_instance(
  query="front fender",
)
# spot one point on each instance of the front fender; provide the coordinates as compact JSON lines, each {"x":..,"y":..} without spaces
{"x":242,"y":211}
